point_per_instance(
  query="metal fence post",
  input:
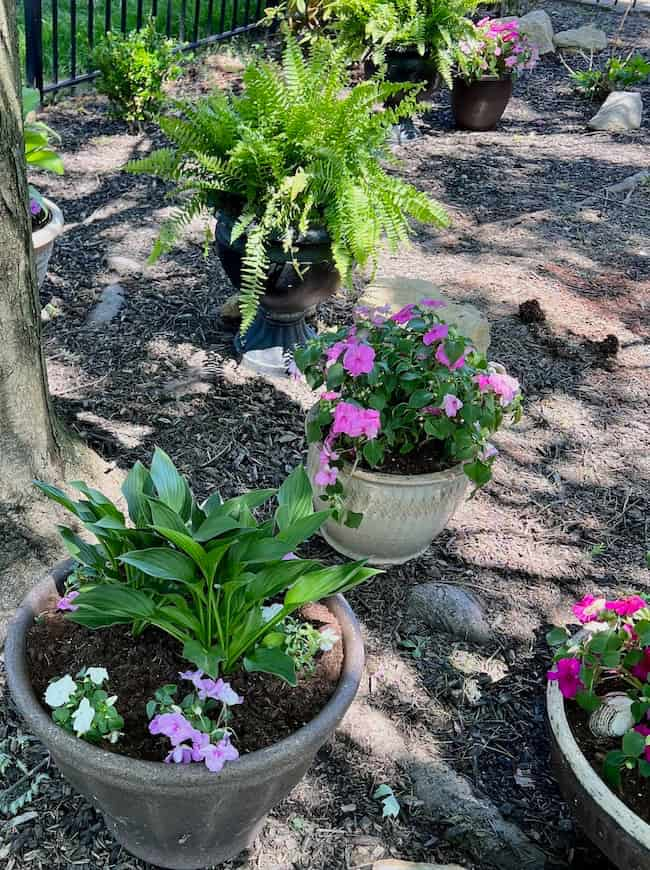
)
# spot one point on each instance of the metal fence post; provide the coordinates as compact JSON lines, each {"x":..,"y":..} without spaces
{"x":34,"y":45}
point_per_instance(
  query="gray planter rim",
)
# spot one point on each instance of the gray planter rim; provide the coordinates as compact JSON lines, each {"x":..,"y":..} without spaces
{"x":251,"y":765}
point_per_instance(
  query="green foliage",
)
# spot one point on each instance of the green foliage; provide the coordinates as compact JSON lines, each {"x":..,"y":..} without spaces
{"x":200,"y":573}
{"x":302,"y":642}
{"x":133,"y":69}
{"x":616,"y":74}
{"x":39,"y":152}
{"x":21,"y":778}
{"x":83,"y":707}
{"x":294,"y":151}
{"x":306,"y":18}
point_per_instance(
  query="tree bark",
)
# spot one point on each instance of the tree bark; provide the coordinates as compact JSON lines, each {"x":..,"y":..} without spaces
{"x":28,"y":436}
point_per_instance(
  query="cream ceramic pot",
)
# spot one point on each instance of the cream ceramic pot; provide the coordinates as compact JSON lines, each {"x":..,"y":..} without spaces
{"x":402,"y":514}
{"x":43,"y":239}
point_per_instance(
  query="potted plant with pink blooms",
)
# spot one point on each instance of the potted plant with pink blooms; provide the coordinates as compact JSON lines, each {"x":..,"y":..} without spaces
{"x":485,"y":63}
{"x":601,"y":740}
{"x":402,"y":428}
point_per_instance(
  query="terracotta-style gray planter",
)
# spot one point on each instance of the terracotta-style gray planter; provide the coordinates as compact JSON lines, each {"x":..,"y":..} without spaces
{"x":181,"y":816}
{"x":43,"y":239}
{"x":617,"y":831}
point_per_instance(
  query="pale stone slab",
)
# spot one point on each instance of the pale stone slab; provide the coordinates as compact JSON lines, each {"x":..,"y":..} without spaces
{"x":538,"y":27}
{"x":586,"y":38}
{"x":621,"y":111}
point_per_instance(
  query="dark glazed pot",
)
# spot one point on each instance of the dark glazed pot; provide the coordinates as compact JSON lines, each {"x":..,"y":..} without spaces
{"x":480,"y":105}
{"x":178,"y":816}
{"x":408,"y":66}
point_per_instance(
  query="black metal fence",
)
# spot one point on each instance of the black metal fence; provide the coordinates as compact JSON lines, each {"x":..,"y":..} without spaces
{"x":59,"y":35}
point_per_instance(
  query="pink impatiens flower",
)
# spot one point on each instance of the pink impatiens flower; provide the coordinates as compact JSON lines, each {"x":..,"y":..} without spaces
{"x":208,"y":688}
{"x":437,"y":333}
{"x":326,"y":475}
{"x":65,"y":602}
{"x":588,"y":609}
{"x":174,"y":726}
{"x":505,"y":387}
{"x":330,"y":395}
{"x":215,"y":755}
{"x":645,"y":731}
{"x":354,"y":421}
{"x":359,"y":359}
{"x":433,"y":303}
{"x":627,"y":606}
{"x":567,"y":675}
{"x":443,"y":359}
{"x":451,"y":405}
{"x":405,"y":314}
{"x":642,"y":669}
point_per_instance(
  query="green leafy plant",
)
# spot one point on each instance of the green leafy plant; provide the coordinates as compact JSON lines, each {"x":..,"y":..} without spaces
{"x":83,"y":707}
{"x":368,"y":28}
{"x":294,"y":151}
{"x":302,"y":642}
{"x":133,"y":69}
{"x":305,"y":18}
{"x":200,"y":573}
{"x":614,"y":74}
{"x":39,"y":151}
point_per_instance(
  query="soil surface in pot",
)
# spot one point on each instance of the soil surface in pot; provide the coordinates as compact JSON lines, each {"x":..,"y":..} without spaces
{"x":137,"y":667}
{"x":40,"y":220}
{"x":426,"y":459}
{"x":634,"y":791}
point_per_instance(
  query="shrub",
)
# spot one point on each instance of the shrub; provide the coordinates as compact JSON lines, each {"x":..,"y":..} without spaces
{"x":133,"y":68}
{"x":294,"y":151}
{"x":617,"y":74}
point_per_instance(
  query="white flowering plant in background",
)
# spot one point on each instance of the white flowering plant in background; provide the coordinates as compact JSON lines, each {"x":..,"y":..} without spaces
{"x":83,"y":707}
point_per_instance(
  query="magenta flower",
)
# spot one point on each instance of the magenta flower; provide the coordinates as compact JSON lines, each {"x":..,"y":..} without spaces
{"x":216,"y":755}
{"x":437,"y":333}
{"x":588,"y":609}
{"x":326,"y":475}
{"x":370,"y":423}
{"x":433,"y":303}
{"x":330,"y":396}
{"x":510,"y":61}
{"x":642,"y":669}
{"x":451,"y":405}
{"x":405,"y":314}
{"x":431,"y":409}
{"x":34,"y":207}
{"x":359,"y":359}
{"x":347,"y":420}
{"x":334,"y":352}
{"x":443,"y":359}
{"x":483,"y":382}
{"x":65,"y":602}
{"x":567,"y":674}
{"x":626,"y":606}
{"x":172,"y":725}
{"x":505,"y":387}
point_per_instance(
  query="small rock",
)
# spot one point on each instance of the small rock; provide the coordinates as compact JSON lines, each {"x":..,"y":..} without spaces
{"x":111,"y":300}
{"x":531,"y":311}
{"x":229,"y":310}
{"x":609,"y":346}
{"x":621,"y":111}
{"x":396,"y":864}
{"x":538,"y":27}
{"x":451,"y":609}
{"x":124,"y":266}
{"x":586,"y":38}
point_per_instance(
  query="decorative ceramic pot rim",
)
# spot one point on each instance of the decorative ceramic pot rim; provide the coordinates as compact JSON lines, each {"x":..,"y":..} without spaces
{"x":52,"y":229}
{"x":382,"y":478}
{"x":131,"y":772}
{"x":593,"y":784}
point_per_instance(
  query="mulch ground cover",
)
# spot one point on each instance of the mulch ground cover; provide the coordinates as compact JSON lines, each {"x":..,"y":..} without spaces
{"x":567,"y":510}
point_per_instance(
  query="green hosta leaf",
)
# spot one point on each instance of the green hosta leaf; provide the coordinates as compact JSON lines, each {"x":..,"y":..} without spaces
{"x":302,"y":529}
{"x":633,"y":744}
{"x":57,"y":495}
{"x":207,"y":660}
{"x":137,"y":485}
{"x":326,"y":581}
{"x":103,"y":504}
{"x":102,"y":606}
{"x":88,"y":554}
{"x":272,"y":661}
{"x":162,"y":515}
{"x":216,"y":524}
{"x":184,"y":542}
{"x":294,"y":500}
{"x":275,"y":577}
{"x":161,"y":562}
{"x":171,"y":487}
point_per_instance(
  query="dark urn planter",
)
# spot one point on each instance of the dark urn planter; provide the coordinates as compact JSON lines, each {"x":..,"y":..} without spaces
{"x":407,"y":66}
{"x":180,"y":816}
{"x":480,"y":105}
{"x":280,"y":321}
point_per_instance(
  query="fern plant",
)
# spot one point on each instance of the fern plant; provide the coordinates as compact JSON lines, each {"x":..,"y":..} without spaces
{"x":368,"y":28}
{"x":294,"y":151}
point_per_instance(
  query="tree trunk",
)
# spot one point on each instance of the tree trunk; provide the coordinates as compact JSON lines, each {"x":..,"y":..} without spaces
{"x":28,"y":437}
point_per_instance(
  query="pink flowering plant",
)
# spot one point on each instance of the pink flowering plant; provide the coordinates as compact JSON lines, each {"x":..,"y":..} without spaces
{"x":611,"y":653}
{"x":493,"y":48}
{"x":402,"y":383}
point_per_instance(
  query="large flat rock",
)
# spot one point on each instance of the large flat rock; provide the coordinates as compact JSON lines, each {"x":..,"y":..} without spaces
{"x":620,"y":112}
{"x":586,"y":38}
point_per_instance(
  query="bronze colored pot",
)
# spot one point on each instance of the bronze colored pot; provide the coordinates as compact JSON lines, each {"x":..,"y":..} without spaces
{"x":480,"y":105}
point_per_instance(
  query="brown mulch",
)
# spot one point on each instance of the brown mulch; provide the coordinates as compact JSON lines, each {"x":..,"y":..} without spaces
{"x":531,"y":220}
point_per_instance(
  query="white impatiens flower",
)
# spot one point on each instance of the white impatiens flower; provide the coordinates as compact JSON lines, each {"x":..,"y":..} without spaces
{"x":97,"y":675}
{"x":60,"y":691}
{"x":270,"y":611}
{"x":328,"y":637}
{"x":83,"y":716}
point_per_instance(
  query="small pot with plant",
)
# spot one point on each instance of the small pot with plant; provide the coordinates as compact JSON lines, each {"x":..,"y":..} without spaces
{"x":601,"y":743}
{"x":485,"y":63}
{"x":185,"y":722}
{"x":293,"y":169}
{"x":402,"y":428}
{"x":45,"y":215}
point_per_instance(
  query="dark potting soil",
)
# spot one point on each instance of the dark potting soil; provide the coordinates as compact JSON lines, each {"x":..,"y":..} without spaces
{"x":634,"y":791}
{"x":137,"y":667}
{"x":40,"y":220}
{"x":425,"y":459}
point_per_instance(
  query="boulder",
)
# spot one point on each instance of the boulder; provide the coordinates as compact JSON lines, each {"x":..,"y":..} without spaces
{"x":229,"y":309}
{"x":538,"y":27}
{"x":448,"y":608}
{"x":398,"y":292}
{"x":621,"y":111}
{"x":586,"y":38}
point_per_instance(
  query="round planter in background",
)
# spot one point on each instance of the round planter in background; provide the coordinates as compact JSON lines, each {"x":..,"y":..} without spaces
{"x":407,"y":66}
{"x":402,"y":514}
{"x":181,"y":816}
{"x":43,"y":239}
{"x":615,"y":829}
{"x":480,"y":105}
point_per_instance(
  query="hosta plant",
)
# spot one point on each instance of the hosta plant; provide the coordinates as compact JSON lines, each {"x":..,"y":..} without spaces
{"x":201,"y":573}
{"x":611,"y":653}
{"x":39,"y":153}
{"x":399,"y":384}
{"x":298,"y":149}
{"x":492,"y":48}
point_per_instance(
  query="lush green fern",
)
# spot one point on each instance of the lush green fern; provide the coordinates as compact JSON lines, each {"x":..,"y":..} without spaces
{"x":297,"y":149}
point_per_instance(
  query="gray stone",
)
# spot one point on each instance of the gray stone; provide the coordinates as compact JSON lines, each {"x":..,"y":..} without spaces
{"x":230,"y":308}
{"x":621,"y":111}
{"x":450,"y":609}
{"x":124,"y":266}
{"x":538,"y":27}
{"x":586,"y":38}
{"x":112,"y":299}
{"x":396,"y":864}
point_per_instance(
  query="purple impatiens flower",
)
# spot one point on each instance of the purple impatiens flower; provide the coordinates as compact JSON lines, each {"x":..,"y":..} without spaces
{"x":174,"y":726}
{"x":216,"y":689}
{"x":65,"y":602}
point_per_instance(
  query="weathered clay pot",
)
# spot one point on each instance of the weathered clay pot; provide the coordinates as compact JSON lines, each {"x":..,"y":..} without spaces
{"x":181,"y":816}
{"x":607,"y":821}
{"x":43,"y":239}
{"x":402,"y":514}
{"x":480,"y":105}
